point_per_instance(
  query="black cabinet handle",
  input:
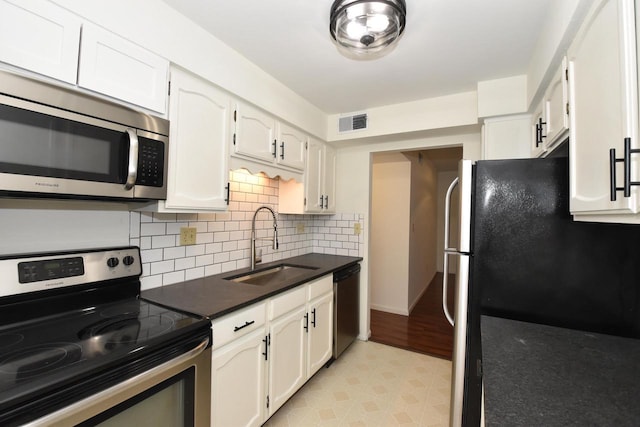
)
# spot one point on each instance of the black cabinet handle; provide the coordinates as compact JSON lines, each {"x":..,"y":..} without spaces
{"x":321,"y":202}
{"x":326,"y":202}
{"x":539,"y":135}
{"x":266,"y":347}
{"x":247,"y":323}
{"x":275,"y":143}
{"x":282,"y":150}
{"x":306,"y":322}
{"x":228,"y":188}
{"x":313,"y":322}
{"x":626,"y":160}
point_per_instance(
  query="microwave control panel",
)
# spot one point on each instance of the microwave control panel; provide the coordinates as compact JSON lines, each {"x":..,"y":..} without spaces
{"x":150,"y":162}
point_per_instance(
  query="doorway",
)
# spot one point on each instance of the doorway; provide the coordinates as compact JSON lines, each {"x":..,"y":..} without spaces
{"x":406,"y":249}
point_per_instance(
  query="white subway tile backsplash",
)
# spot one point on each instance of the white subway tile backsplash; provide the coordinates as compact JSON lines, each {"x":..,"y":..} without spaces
{"x":223,"y":239}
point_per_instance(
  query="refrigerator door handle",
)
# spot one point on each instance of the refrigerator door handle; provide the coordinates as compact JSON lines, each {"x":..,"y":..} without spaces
{"x":447,"y":250}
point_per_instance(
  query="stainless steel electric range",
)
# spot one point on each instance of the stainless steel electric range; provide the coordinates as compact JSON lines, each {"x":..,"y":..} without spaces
{"x":79,"y":347}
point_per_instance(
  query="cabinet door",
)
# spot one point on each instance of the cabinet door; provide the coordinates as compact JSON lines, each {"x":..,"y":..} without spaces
{"x":313,"y":177}
{"x":200,"y":122}
{"x":329,"y":178}
{"x":255,"y":134}
{"x":238,"y":375}
{"x":39,"y":36}
{"x":556,"y":105}
{"x":291,"y":147}
{"x":538,"y":129}
{"x":603,"y":107}
{"x":116,"y":67}
{"x":320,"y":340}
{"x":287,"y":360}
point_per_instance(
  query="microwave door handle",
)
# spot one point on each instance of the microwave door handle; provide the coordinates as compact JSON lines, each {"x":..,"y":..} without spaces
{"x":132,"y":167}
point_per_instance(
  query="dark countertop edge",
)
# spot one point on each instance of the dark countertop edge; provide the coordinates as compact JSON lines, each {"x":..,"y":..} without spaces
{"x":173,"y":296}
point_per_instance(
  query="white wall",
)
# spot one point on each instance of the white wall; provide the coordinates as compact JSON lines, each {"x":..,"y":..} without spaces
{"x":422,"y":228}
{"x":51,"y":225}
{"x":353,"y":174}
{"x":390,"y":215}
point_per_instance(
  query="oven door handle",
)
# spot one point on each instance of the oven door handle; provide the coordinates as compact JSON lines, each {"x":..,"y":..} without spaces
{"x":132,"y":167}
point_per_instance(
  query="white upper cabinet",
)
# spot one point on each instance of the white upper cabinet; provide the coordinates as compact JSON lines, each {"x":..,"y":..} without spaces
{"x":200,"y":116}
{"x":291,"y":146}
{"x":603,"y":109}
{"x":255,"y":134}
{"x":261,"y":143}
{"x":317,"y":193}
{"x":556,"y":109}
{"x":116,"y":67}
{"x":538,"y":147}
{"x":41,"y":37}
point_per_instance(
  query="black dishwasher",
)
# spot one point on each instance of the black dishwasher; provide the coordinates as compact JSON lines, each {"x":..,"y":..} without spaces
{"x":346,"y":303}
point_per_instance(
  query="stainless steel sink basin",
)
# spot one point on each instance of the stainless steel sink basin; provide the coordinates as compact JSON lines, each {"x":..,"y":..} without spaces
{"x":273,"y":275}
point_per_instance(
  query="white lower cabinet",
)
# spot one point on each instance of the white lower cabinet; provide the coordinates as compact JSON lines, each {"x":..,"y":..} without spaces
{"x":239,"y":368}
{"x":287,"y":370}
{"x":264,"y":353}
{"x":320,"y":340}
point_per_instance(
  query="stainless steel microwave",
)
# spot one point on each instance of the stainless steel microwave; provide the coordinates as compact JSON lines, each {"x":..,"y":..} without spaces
{"x":57,"y":142}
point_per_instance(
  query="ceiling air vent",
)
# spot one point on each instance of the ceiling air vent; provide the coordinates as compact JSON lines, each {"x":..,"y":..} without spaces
{"x":351,"y":123}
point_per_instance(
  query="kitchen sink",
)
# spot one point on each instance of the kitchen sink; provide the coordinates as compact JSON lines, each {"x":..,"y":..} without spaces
{"x":273,"y":275}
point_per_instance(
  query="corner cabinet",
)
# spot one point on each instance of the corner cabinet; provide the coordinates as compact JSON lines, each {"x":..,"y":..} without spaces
{"x":317,"y":193}
{"x":261,"y":143}
{"x":603,"y":113}
{"x":200,"y":116}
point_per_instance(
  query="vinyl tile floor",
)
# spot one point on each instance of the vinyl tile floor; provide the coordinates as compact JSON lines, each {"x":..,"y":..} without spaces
{"x":372,"y":384}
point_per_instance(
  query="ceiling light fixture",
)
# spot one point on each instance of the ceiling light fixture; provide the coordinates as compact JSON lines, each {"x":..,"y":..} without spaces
{"x":367,"y":29}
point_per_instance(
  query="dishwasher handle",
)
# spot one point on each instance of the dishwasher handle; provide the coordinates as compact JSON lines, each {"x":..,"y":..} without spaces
{"x":345,"y":273}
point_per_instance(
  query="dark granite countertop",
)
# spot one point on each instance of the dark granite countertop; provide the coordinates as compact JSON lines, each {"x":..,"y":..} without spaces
{"x":538,"y":375}
{"x":213,"y":296}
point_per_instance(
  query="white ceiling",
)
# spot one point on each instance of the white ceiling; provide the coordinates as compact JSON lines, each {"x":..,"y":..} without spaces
{"x":448,"y":46}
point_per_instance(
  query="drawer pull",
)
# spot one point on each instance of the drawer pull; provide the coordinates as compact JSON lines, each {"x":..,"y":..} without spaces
{"x":247,"y":323}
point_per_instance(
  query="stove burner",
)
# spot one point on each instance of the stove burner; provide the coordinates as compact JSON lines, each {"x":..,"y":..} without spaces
{"x":35,"y":360}
{"x":129,"y":309}
{"x":7,"y":340}
{"x":123,"y":330}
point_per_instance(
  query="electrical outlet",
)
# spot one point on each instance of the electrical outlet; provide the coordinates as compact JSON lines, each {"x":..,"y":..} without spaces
{"x":300,"y":227}
{"x":187,"y":236}
{"x":356,"y":228}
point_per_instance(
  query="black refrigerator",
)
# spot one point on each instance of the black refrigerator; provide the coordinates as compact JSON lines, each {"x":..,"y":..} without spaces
{"x":521,"y":256}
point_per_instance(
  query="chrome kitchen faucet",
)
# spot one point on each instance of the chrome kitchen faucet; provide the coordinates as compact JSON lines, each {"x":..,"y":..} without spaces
{"x":253,"y":234}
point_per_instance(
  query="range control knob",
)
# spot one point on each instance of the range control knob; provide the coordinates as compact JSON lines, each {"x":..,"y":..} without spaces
{"x":112,"y":262}
{"x":128,"y":260}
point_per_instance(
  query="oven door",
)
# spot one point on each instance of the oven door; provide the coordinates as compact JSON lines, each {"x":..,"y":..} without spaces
{"x":175,"y":393}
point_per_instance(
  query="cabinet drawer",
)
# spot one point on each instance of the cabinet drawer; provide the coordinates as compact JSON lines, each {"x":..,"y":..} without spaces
{"x":238,"y":324}
{"x":288,"y":301}
{"x":320,"y":286}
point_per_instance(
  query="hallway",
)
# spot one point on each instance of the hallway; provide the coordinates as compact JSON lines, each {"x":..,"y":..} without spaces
{"x":426,"y":330}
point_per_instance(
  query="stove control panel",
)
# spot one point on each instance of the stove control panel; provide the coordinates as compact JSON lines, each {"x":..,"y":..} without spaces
{"x":38,"y":272}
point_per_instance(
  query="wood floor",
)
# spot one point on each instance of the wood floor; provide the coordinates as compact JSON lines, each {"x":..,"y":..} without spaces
{"x":425,"y":330}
